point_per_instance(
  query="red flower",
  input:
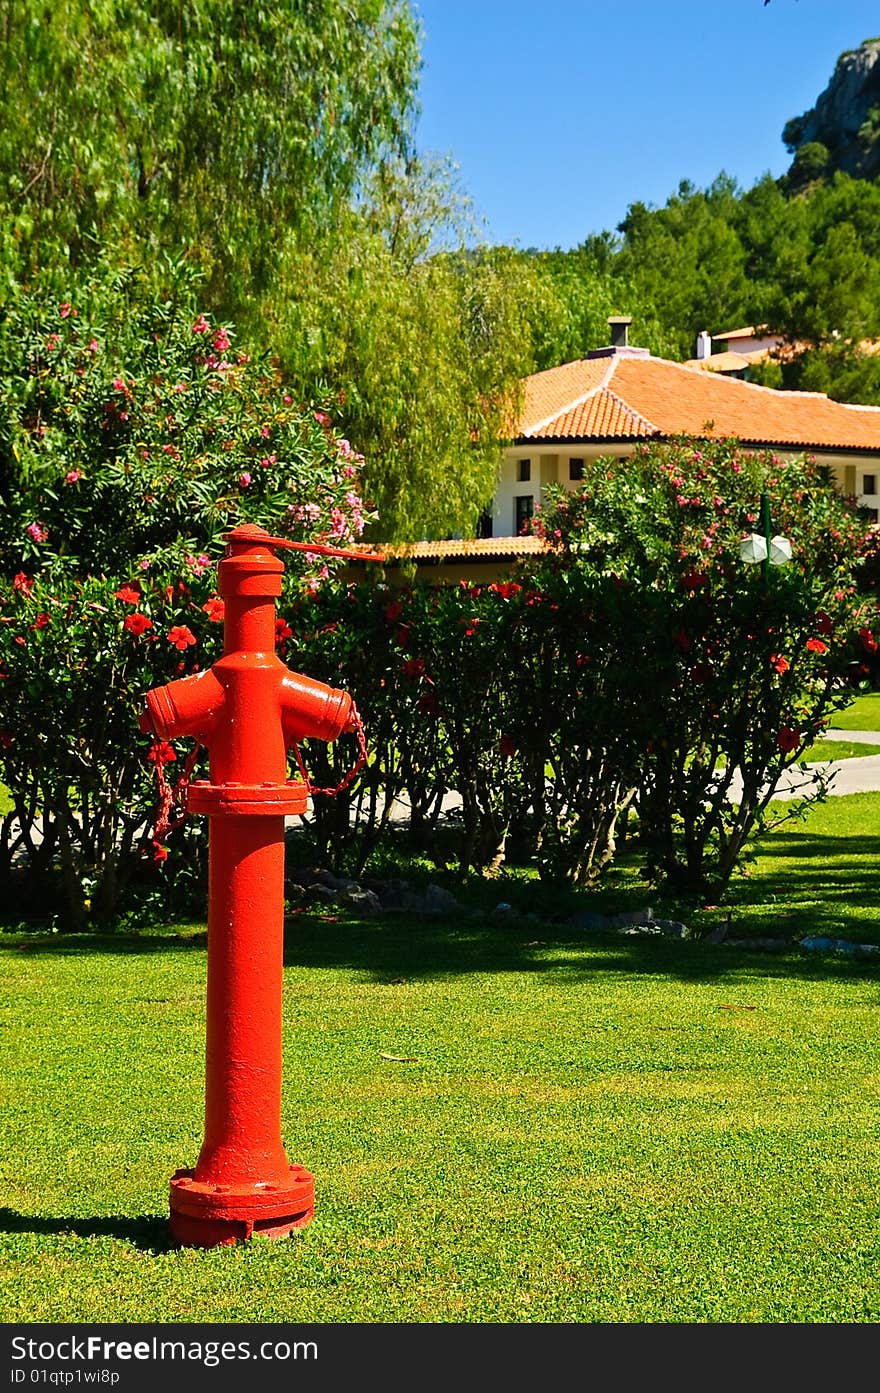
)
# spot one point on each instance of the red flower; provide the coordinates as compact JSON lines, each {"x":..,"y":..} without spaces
{"x":869,"y":643}
{"x":161,"y":752}
{"x":23,"y":583}
{"x":413,"y":667}
{"x":137,"y":624}
{"x":282,"y":630}
{"x":788,"y":739}
{"x":214,"y":609}
{"x":683,"y":641}
{"x":128,"y":595}
{"x":161,"y":852}
{"x":815,"y":645}
{"x":824,"y":624}
{"x":181,"y":636}
{"x":779,"y":663}
{"x":506,"y":747}
{"x":505,"y":588}
{"x":428,"y":704}
{"x":42,"y":620}
{"x":393,"y":612}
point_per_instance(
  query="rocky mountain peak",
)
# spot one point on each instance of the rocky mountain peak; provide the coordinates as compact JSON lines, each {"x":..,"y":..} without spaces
{"x":842,"y":131}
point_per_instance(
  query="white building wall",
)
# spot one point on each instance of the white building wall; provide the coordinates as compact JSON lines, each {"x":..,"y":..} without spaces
{"x":850,"y":477}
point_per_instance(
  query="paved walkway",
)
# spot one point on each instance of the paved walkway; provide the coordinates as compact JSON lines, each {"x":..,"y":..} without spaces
{"x":860,"y":775}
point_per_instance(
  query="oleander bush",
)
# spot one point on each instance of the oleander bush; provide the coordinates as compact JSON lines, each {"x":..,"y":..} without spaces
{"x":134,"y":431}
{"x":639,"y":663}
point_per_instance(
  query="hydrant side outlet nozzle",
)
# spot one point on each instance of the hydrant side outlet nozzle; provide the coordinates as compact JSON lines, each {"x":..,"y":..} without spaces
{"x":248,"y":708}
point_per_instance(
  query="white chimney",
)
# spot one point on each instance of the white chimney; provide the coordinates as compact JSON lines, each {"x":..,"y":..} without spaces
{"x":704,"y":344}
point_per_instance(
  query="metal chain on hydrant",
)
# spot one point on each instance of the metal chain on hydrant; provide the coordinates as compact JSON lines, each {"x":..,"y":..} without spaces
{"x":175,"y":794}
{"x":169,"y":795}
{"x":353,"y":771}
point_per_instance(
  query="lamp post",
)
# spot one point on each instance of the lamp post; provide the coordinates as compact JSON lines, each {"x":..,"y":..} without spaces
{"x":761,"y":547}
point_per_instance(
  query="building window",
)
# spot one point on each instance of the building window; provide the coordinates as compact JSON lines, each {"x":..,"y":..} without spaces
{"x":524,"y":506}
{"x":523,"y":471}
{"x":484,"y":526}
{"x":575,"y":469}
{"x":869,"y":483}
{"x":872,"y":513}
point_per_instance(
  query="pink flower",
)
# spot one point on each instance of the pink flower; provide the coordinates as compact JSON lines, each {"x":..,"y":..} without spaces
{"x":93,"y":346}
{"x":37,"y":531}
{"x":64,"y":310}
{"x":221,"y":340}
{"x":201,"y":325}
{"x":322,"y":418}
{"x":73,"y":476}
{"x":287,"y":400}
{"x":244,"y":479}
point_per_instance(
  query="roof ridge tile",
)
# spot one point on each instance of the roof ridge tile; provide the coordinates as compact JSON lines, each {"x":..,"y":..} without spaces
{"x":575,"y":402}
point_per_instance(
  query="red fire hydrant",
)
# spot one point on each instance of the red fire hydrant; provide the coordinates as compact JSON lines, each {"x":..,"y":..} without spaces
{"x":248,"y":709}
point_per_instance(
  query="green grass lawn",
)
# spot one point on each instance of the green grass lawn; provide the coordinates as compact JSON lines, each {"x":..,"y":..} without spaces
{"x":592,"y":1128}
{"x":824,"y":750}
{"x":863,"y":714}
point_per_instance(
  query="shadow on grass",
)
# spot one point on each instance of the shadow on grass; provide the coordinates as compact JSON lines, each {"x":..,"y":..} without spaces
{"x":808,"y":884}
{"x":417,"y":949}
{"x":146,"y":1232}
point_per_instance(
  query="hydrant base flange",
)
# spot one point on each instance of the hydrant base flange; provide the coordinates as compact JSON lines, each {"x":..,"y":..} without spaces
{"x":211,"y":1215}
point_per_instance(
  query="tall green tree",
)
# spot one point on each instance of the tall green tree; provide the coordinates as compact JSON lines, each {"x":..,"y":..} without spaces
{"x":213,"y":128}
{"x":417,"y":343}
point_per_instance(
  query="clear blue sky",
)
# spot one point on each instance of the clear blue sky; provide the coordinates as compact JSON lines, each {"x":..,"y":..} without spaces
{"x":560,"y":113}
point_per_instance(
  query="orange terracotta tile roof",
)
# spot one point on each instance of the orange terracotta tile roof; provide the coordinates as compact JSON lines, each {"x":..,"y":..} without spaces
{"x":480,"y":547}
{"x":750,"y":331}
{"x":627,"y":396}
{"x":726,"y":362}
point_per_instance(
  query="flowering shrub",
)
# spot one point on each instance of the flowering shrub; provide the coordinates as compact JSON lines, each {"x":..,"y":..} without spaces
{"x":725,"y":675}
{"x":640,"y":662}
{"x":429,"y":670}
{"x":133,"y":434}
